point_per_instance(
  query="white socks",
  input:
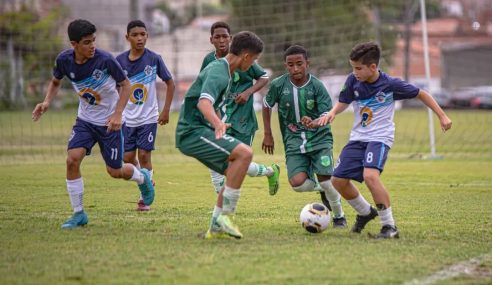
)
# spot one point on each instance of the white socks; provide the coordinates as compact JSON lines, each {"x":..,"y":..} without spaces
{"x":255,"y":170}
{"x":217,"y":180}
{"x":333,"y":197}
{"x":137,"y":176}
{"x":231,"y":196}
{"x":386,"y":217}
{"x":307,"y":186}
{"x":360,"y":205}
{"x":75,"y":190}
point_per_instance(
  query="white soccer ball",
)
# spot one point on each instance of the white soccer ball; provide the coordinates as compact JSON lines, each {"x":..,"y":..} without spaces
{"x":315,"y":217}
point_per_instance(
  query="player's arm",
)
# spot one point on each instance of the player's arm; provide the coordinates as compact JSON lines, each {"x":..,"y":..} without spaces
{"x":244,"y":96}
{"x":42,"y":107}
{"x":164,"y":116}
{"x":330,"y":116}
{"x":115,"y":121}
{"x":206,"y":107}
{"x":268,"y":144}
{"x":427,"y":99}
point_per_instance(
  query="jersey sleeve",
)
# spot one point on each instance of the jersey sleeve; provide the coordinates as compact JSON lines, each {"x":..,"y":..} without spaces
{"x":115,"y":70}
{"x":403,"y":90}
{"x":57,"y":69}
{"x":271,"y":98}
{"x":323,"y":99}
{"x":257,"y":71}
{"x":347,"y":92}
{"x":162,"y":70}
{"x":214,"y":84}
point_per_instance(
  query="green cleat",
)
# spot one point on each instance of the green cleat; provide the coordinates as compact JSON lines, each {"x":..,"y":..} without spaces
{"x":228,"y":227}
{"x":273,"y":182}
{"x":212,"y":234}
{"x":78,"y":219}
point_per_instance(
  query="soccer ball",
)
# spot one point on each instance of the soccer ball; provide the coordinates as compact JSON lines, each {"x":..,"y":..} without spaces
{"x":315,"y":217}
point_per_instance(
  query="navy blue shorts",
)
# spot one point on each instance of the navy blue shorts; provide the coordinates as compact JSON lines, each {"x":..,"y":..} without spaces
{"x":86,"y":135}
{"x":141,"y":137}
{"x":357,"y":155}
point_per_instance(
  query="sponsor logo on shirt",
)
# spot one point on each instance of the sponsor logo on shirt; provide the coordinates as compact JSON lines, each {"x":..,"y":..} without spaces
{"x":90,"y":96}
{"x":148,"y":70}
{"x":310,"y":104}
{"x":365,"y":116}
{"x":138,"y":94}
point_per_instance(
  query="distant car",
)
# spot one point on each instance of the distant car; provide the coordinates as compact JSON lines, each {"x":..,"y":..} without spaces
{"x":473,"y":97}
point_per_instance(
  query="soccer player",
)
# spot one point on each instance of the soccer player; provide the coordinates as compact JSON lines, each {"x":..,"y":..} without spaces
{"x":201,"y":134}
{"x":237,"y":107}
{"x":372,"y":94}
{"x":301,"y":96}
{"x":142,"y":66}
{"x":94,"y":74}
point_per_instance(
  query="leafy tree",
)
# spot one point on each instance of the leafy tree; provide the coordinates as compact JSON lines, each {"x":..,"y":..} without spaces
{"x":29,"y":45}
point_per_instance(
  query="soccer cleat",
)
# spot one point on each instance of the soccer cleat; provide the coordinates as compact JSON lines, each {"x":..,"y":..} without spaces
{"x":339,"y":222}
{"x":78,"y":219}
{"x":141,"y":206}
{"x":213,"y":234}
{"x":273,"y":182}
{"x":146,"y":188}
{"x":324,"y":199}
{"x":387,"y":232}
{"x":228,"y":226}
{"x":361,"y":221}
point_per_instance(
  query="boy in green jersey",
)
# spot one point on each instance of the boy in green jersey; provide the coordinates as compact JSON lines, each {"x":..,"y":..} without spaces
{"x":308,"y":151}
{"x":201,"y":134}
{"x":237,"y":107}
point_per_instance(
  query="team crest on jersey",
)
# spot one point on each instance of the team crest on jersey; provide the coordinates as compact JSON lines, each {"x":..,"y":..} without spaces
{"x":90,"y":96}
{"x":72,"y":75}
{"x":97,"y":74}
{"x":325,"y":160}
{"x":381,"y":97}
{"x":148,"y":70}
{"x":356,"y":93}
{"x":310,"y":104}
{"x":365,"y":116}
{"x":126,"y":72}
{"x":138,"y":94}
{"x":236,"y":76}
{"x":286,"y":91}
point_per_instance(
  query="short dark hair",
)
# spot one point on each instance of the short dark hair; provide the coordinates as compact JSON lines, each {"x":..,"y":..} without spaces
{"x":246,"y":41}
{"x":133,"y":24}
{"x":80,"y":28}
{"x":217,"y":25}
{"x":296,"y":49}
{"x":367,"y":53}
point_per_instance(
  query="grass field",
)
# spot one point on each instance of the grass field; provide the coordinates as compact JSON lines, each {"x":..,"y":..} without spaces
{"x":443,"y":209}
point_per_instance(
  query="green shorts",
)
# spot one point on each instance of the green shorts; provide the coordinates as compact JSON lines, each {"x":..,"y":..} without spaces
{"x":245,"y":138}
{"x":319,"y":162}
{"x":201,"y":144}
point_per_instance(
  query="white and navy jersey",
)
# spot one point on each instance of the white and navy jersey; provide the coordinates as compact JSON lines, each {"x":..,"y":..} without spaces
{"x":374,"y":106}
{"x":94,"y":81}
{"x":142,"y":106}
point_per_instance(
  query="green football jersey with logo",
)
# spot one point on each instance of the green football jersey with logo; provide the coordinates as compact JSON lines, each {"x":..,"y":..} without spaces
{"x":212,"y":83}
{"x":241,"y":117}
{"x":312,"y":100}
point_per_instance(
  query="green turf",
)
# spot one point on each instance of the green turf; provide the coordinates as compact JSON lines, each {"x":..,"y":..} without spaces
{"x":442,"y":208}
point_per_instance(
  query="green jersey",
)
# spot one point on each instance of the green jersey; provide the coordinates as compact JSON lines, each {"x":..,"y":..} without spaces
{"x":241,"y":117}
{"x":312,"y":100}
{"x":212,"y":84}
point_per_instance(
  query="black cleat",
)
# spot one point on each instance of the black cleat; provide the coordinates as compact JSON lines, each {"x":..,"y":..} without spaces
{"x":340,"y":222}
{"x":387,"y":232}
{"x":325,"y":200}
{"x":361,"y":221}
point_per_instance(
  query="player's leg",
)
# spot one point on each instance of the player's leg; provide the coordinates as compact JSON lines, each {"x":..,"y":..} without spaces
{"x":322,"y":165}
{"x":349,"y":167}
{"x":130,"y":156}
{"x":111,"y":145}
{"x":145,"y":143}
{"x":299,"y":172}
{"x":375,"y":158}
{"x":79,"y":144}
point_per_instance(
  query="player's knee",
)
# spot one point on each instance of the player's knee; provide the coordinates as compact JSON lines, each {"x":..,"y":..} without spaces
{"x":115,"y":173}
{"x":73,"y":162}
{"x":339,"y":183}
{"x":243,"y":153}
{"x":371,"y":177}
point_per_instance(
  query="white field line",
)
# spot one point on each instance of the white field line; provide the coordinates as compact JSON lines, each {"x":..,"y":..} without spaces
{"x":465,"y":268}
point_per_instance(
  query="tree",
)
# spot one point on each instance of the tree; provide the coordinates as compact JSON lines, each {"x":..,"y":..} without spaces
{"x":29,"y":44}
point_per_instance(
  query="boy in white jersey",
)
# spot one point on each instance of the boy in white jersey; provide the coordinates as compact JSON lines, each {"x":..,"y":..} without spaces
{"x":94,"y":74}
{"x":237,"y":107}
{"x":308,"y":151}
{"x":201,"y":134}
{"x":373,"y":94}
{"x":142,"y":66}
